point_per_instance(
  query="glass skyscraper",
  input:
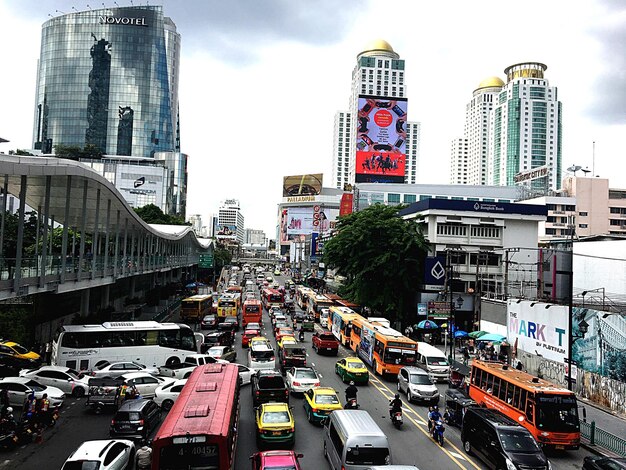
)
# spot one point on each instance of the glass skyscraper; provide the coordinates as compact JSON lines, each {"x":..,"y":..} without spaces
{"x":109,"y":78}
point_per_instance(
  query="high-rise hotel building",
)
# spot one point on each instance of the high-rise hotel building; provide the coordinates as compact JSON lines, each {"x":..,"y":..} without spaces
{"x":109,"y":78}
{"x":378,"y":99}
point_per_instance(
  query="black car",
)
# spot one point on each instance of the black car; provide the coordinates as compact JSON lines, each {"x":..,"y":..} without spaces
{"x":269,"y":385}
{"x":219,"y":338}
{"x":499,"y":441}
{"x":230,"y":323}
{"x":209,"y":322}
{"x":135,"y":419}
{"x":10,"y":365}
{"x":596,"y":462}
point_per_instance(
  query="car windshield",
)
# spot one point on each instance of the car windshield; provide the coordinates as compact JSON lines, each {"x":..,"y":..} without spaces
{"x":209,"y":318}
{"x":420,"y":379}
{"x":515,"y":441}
{"x":276,"y":417}
{"x":557,"y":413}
{"x":20,"y":349}
{"x":215,"y":352}
{"x":82,"y":465}
{"x":367,"y":456}
{"x":35,"y":386}
{"x":437,"y":361}
{"x":326,"y":399}
{"x":355,"y":365}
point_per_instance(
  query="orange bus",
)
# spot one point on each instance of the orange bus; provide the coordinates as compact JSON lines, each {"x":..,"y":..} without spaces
{"x":549,"y":412}
{"x":341,"y":323}
{"x":272,"y":298}
{"x":315,"y":303}
{"x":200,"y":431}
{"x":386,"y":350}
{"x":302,"y":296}
{"x":252,"y":312}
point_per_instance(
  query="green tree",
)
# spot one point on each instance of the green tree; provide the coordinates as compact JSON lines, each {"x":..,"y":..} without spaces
{"x":222,"y":257}
{"x":381,"y":255}
{"x":152,"y":214}
{"x":74,"y":152}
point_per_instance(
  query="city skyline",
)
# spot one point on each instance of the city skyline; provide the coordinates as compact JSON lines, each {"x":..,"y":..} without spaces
{"x":303,"y":59}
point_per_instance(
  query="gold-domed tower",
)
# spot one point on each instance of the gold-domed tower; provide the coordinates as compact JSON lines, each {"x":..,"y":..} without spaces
{"x":378,"y":47}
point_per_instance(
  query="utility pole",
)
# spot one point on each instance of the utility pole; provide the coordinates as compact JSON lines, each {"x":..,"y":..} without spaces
{"x":570,"y":328}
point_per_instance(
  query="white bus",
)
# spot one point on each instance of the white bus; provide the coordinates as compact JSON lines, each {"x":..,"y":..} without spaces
{"x":81,"y":347}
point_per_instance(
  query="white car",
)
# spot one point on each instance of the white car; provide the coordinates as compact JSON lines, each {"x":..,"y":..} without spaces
{"x":245,"y":374}
{"x":300,"y":379}
{"x":166,"y":395}
{"x":66,"y":379}
{"x":109,"y":454}
{"x":20,"y":387}
{"x":115,"y":369}
{"x":145,"y":384}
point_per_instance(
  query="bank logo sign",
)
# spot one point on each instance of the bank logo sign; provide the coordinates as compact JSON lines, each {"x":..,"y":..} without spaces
{"x":435,"y":271}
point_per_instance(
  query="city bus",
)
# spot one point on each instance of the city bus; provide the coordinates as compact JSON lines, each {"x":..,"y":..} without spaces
{"x":227,"y":305}
{"x":302,"y":296}
{"x":315,"y":303}
{"x":252,"y":312}
{"x":549,"y":412}
{"x":347,"y":303}
{"x":81,"y":347}
{"x":341,"y":323}
{"x":386,"y":350}
{"x":272,"y":298}
{"x":235,"y":290}
{"x":200,"y":431}
{"x":194,"y":308}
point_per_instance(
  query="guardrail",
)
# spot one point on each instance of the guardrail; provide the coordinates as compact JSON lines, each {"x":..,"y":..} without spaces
{"x":601,"y":438}
{"x":167,"y":310}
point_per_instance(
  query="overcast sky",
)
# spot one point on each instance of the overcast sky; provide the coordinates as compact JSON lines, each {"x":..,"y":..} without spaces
{"x":262,"y":79}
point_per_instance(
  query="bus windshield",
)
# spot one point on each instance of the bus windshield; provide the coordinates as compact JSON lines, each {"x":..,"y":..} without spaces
{"x":227,"y":303}
{"x":557,"y":413}
{"x":275,"y":298}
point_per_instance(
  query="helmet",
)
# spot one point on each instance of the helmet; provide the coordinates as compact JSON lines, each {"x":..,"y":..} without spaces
{"x":435,"y":408}
{"x":352,"y":382}
{"x":397,"y":395}
{"x":9,"y":410}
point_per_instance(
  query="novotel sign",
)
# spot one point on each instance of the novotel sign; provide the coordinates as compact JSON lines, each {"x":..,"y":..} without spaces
{"x":122,"y":20}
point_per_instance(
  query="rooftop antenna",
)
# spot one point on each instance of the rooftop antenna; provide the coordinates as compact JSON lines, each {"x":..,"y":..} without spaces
{"x":585,"y":170}
{"x":74,"y":8}
{"x":88,"y":6}
{"x":593,"y":161}
{"x":574,"y":169}
{"x":59,"y":11}
{"x":116,"y":4}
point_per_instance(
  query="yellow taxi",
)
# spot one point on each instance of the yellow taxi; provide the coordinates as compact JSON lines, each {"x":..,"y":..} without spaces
{"x":13,"y":349}
{"x":275,"y":424}
{"x":352,"y":369}
{"x":286,"y":340}
{"x":259,"y":340}
{"x":319,"y":402}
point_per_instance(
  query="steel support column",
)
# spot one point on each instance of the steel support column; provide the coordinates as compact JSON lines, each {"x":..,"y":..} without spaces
{"x":20,"y":235}
{"x":107,"y":238}
{"x":65,"y":229}
{"x":5,"y":196}
{"x":125,"y":251}
{"x":83,"y":227}
{"x":96,"y":237}
{"x":116,"y":257}
{"x":44,"y":235}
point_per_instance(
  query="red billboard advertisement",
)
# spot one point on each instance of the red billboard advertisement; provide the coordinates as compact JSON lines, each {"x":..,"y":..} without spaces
{"x":345,"y":207}
{"x":381,"y":140}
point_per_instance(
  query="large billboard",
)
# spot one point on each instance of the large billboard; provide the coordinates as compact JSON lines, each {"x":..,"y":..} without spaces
{"x":298,"y":222}
{"x":381,"y":140}
{"x":302,"y":185}
{"x":226,"y":231}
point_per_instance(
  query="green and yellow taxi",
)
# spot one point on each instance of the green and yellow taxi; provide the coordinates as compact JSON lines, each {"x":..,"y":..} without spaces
{"x":286,"y":340}
{"x":319,"y":402}
{"x":275,"y":424}
{"x":352,"y":369}
{"x":11,"y":348}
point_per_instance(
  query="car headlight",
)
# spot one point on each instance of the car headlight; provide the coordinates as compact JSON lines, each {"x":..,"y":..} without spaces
{"x":510,"y":465}
{"x":549,"y":465}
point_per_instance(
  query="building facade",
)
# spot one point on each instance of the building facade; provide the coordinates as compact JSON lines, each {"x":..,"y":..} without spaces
{"x":525,"y":131}
{"x":459,"y":161}
{"x":230,"y":222}
{"x":108,"y":78}
{"x":254,"y":237}
{"x":377,"y":101}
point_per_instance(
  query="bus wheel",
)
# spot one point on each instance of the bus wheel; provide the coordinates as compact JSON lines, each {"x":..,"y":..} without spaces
{"x":172,"y":360}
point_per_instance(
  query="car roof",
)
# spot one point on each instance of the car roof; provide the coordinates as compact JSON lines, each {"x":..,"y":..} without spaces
{"x":134,"y":375}
{"x":415,"y":370}
{"x":278,"y":457}
{"x":353,"y":359}
{"x":8,"y":343}
{"x":325,"y":391}
{"x":57,"y":368}
{"x":91,"y":450}
{"x":275,"y":406}
{"x":136,"y":404}
{"x":21,"y":380}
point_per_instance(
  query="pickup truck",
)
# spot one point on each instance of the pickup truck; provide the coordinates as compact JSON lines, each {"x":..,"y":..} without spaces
{"x":269,"y":385}
{"x":325,"y":342}
{"x":182,"y":370}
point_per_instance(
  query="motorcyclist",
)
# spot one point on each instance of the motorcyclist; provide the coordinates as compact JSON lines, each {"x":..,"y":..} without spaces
{"x":395,"y":405}
{"x":351,"y":391}
{"x":8,"y":422}
{"x":433,"y":416}
{"x":301,"y":333}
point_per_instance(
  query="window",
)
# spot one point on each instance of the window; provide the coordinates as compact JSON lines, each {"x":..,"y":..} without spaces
{"x":393,"y":198}
{"x":335,"y":439}
{"x":409,"y":198}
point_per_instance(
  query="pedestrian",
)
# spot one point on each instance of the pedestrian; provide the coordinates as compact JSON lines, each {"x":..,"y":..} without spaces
{"x":519,"y":365}
{"x":466,"y":355}
{"x":43,"y":410}
{"x":48,"y":351}
{"x":144,"y":458}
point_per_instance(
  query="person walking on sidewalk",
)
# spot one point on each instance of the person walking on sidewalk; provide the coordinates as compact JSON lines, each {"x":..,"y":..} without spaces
{"x":466,"y":356}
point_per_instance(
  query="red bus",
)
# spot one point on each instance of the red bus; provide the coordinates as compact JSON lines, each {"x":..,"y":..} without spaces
{"x":549,"y":412}
{"x":252,"y":312}
{"x":272,"y":298}
{"x":200,"y":431}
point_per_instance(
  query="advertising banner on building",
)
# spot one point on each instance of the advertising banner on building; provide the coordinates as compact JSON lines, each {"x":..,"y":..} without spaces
{"x":381,"y":140}
{"x":345,"y":206}
{"x":302,"y":185}
{"x":227,"y":231}
{"x":538,"y":330}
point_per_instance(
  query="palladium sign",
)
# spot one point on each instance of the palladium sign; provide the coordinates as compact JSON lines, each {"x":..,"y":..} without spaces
{"x":123,"y":20}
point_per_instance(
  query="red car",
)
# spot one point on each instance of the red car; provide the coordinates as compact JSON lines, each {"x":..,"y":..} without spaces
{"x":270,"y":459}
{"x":247,"y":335}
{"x":280,"y":332}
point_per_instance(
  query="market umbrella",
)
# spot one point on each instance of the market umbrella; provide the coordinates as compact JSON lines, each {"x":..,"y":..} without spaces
{"x":477,"y":334}
{"x":492,"y":337}
{"x":427,"y":325}
{"x":460,"y":334}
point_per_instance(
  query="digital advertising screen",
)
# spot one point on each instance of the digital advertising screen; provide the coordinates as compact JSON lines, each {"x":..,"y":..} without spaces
{"x":302,"y":185}
{"x":297,"y":222}
{"x":381,"y":140}
{"x":226,"y":231}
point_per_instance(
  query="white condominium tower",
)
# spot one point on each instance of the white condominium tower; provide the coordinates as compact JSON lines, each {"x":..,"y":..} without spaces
{"x":459,"y":157}
{"x":375,"y":130}
{"x":525,"y":137}
{"x":230,"y":221}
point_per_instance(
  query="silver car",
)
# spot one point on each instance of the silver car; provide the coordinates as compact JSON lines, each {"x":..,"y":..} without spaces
{"x":115,"y":369}
{"x":417,"y":385}
{"x":300,"y":379}
{"x":67,"y":380}
{"x":21,"y":387}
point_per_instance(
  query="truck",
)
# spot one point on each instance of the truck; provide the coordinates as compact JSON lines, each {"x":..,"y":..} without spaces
{"x":269,"y":385}
{"x":182,"y":370}
{"x":325,"y":342}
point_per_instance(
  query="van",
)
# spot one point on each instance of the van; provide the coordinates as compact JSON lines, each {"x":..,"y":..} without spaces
{"x":353,"y":441}
{"x":135,"y":419}
{"x":261,"y":356}
{"x":499,"y":441}
{"x":433,"y":361}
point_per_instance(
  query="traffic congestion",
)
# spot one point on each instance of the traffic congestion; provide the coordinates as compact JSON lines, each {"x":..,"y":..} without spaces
{"x":265,"y":373}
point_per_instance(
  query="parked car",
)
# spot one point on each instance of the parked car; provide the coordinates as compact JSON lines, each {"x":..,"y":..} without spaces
{"x":145,"y":383}
{"x":272,"y":459}
{"x":166,"y":395}
{"x":115,"y":369}
{"x":325,"y":342}
{"x":225,"y":353}
{"x":209,"y":322}
{"x":105,"y":454}
{"x":319,"y":402}
{"x":417,"y":385}
{"x":275,"y":424}
{"x":352,"y":369}
{"x":20,"y":387}
{"x":300,"y":379}
{"x":67,"y":380}
{"x":135,"y":419}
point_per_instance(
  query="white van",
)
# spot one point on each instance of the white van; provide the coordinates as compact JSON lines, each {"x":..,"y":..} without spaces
{"x":325,"y":318}
{"x":433,"y":361}
{"x":353,"y":441}
{"x":261,"y":356}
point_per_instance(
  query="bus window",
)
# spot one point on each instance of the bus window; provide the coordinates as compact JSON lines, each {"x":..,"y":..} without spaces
{"x":530,"y":407}
{"x":489,"y":388}
{"x":516,"y":397}
{"x":495,"y":389}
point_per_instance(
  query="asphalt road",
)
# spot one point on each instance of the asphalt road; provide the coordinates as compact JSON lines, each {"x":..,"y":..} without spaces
{"x":410,"y":445}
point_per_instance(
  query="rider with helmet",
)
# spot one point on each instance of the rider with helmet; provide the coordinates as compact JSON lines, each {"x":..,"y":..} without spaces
{"x":351,"y":391}
{"x":395,"y":405}
{"x":433,"y":416}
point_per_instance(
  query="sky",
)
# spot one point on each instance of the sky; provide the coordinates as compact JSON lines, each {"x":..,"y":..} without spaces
{"x":261,"y":81}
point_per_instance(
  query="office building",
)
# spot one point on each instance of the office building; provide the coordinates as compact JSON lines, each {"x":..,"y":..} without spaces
{"x":373,"y":140}
{"x":108,"y":78}
{"x":254,"y":237}
{"x":230,"y":226}
{"x":459,"y":161}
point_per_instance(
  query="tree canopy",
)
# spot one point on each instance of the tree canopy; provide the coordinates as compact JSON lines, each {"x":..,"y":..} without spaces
{"x":74,"y":152}
{"x":152,"y":214}
{"x":381,"y":255}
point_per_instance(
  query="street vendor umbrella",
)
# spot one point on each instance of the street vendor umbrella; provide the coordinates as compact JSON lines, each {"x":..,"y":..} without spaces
{"x":460,"y":334}
{"x":492,"y":337}
{"x":427,"y":325}
{"x":477,"y":334}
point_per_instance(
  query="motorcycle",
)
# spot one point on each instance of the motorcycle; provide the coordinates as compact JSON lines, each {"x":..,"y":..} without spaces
{"x":396,"y":418}
{"x":301,"y":336}
{"x":437,"y":432}
{"x":351,"y":404}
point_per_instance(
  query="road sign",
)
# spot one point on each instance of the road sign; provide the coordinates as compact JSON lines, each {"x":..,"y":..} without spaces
{"x":205,"y":261}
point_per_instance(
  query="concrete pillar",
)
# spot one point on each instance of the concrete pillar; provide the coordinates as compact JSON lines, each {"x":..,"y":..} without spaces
{"x":107,"y":239}
{"x":20,"y":234}
{"x":65,"y":223}
{"x":84,"y":302}
{"x":5,"y":190}
{"x":106,"y":293}
{"x":83,"y":235}
{"x":95,"y":239}
{"x":132,"y":286}
{"x":44,"y":235}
